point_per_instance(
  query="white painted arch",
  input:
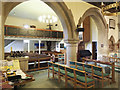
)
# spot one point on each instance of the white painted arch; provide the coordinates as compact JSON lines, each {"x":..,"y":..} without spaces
{"x":101,"y":24}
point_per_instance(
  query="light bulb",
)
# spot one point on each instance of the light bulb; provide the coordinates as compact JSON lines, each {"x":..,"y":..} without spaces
{"x":40,"y":18}
{"x":51,"y":21}
{"x":46,"y":20}
{"x":44,"y":16}
{"x":48,"y":16}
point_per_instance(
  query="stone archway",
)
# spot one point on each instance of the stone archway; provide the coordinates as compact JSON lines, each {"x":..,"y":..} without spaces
{"x":101,"y":24}
{"x":60,"y":8}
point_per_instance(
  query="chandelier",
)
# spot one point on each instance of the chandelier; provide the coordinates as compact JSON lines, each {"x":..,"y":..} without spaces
{"x":47,"y":19}
{"x":110,"y":6}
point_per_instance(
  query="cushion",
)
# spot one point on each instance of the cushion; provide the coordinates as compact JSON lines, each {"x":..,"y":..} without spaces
{"x":80,"y":68}
{"x":62,"y":71}
{"x":70,"y":74}
{"x":100,"y":73}
{"x":89,"y":70}
{"x":55,"y":69}
{"x":72,"y":66}
{"x":82,"y":79}
{"x":50,"y":68}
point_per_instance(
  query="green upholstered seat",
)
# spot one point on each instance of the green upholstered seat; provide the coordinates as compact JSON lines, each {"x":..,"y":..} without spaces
{"x":100,"y":73}
{"x":61,"y":58}
{"x":80,"y":68}
{"x":50,"y":68}
{"x":72,"y":66}
{"x":55,"y":69}
{"x":70,"y":74}
{"x":82,"y":79}
{"x":62,"y":71}
{"x":89,"y":70}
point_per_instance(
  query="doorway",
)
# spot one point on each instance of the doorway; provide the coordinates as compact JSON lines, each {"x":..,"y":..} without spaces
{"x":94,"y":50}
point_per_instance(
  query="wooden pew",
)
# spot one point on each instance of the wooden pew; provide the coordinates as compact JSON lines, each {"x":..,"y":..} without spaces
{"x":105,"y":63}
{"x":93,"y":70}
{"x":73,"y":75}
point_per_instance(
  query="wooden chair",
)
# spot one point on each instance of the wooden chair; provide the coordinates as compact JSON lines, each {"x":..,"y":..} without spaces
{"x":88,"y":68}
{"x":61,"y":72}
{"x":82,"y":80}
{"x":98,"y":73}
{"x":72,"y":64}
{"x":80,"y":66}
{"x":61,"y":58}
{"x":55,"y":69}
{"x":69,"y":75}
{"x":50,"y":68}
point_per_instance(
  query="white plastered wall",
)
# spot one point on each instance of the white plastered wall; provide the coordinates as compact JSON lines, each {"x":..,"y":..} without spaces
{"x":112,"y":32}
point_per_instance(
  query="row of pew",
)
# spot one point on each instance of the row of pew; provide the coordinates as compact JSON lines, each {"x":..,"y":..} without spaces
{"x":79,"y":73}
{"x":76,"y":76}
{"x":96,"y":72}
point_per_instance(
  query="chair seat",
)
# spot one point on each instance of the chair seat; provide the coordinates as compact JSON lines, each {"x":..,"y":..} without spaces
{"x":72,"y":66}
{"x":50,"y":68}
{"x":80,"y":68}
{"x":55,"y":69}
{"x":70,"y":74}
{"x":62,"y":72}
{"x":100,"y":73}
{"x":89,"y":70}
{"x":60,"y":58}
{"x":82,"y":79}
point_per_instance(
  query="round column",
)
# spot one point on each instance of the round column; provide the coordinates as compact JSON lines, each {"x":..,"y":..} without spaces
{"x":71,"y":51}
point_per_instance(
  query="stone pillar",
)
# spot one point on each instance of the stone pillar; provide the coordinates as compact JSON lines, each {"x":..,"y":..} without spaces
{"x":71,"y":51}
{"x":1,"y":33}
{"x":39,"y":47}
{"x":103,"y":47}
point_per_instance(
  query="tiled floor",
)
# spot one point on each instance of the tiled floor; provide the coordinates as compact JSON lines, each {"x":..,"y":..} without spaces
{"x":42,"y":81}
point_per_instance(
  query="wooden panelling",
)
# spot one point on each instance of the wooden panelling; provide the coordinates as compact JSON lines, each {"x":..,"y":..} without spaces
{"x":86,"y":33}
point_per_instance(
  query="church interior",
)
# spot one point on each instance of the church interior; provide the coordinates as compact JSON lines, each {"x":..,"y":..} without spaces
{"x":59,"y":44}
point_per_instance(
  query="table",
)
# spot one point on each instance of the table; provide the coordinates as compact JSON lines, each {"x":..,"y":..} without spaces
{"x":23,"y":62}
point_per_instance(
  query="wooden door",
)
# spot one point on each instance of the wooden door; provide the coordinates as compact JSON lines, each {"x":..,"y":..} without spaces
{"x":94,"y":50}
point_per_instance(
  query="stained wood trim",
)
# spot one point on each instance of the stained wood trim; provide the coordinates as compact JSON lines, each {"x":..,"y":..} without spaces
{"x":30,"y":36}
{"x":31,"y":29}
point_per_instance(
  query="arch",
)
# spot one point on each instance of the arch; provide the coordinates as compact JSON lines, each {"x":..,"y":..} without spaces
{"x":60,"y":8}
{"x":95,"y":13}
{"x":101,"y":24}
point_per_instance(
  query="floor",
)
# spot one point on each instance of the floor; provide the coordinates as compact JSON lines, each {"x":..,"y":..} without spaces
{"x":42,"y":81}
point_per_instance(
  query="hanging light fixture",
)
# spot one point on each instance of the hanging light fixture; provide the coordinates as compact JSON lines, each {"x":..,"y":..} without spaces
{"x":47,"y":19}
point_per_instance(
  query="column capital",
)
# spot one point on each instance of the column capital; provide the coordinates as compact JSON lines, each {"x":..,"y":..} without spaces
{"x":71,"y":41}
